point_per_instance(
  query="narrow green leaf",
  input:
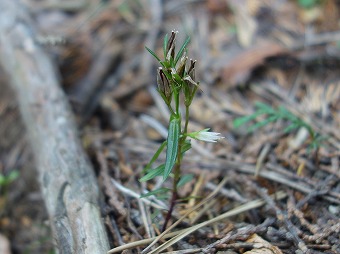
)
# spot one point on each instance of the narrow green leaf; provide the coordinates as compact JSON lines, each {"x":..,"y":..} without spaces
{"x":153,"y":53}
{"x":166,"y":66}
{"x":265,"y":107}
{"x":185,"y":179}
{"x":155,"y":192}
{"x":290,"y":127}
{"x":172,"y":144}
{"x":165,"y":44}
{"x":238,"y":122}
{"x":155,"y":157}
{"x":181,"y":51}
{"x":284,"y":111}
{"x":172,"y":62}
{"x":262,"y":123}
{"x":177,"y":78}
{"x":285,"y":114}
{"x":153,"y":173}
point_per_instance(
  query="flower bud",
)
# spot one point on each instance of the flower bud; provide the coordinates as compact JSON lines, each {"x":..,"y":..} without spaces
{"x":163,"y":83}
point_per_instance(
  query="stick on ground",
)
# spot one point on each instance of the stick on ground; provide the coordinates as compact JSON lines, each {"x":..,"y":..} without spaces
{"x":67,"y":180}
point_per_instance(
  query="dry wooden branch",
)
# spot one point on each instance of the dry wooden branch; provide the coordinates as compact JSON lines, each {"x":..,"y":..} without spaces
{"x":240,"y":234}
{"x":67,"y":180}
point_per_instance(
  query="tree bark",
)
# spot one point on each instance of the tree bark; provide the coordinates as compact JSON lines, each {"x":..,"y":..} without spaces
{"x":66,"y":177}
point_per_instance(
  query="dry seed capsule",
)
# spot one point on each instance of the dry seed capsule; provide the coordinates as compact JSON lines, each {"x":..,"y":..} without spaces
{"x":163,"y":83}
{"x":191,"y":71}
{"x":170,"y":50}
{"x":181,"y":66}
{"x":190,"y":81}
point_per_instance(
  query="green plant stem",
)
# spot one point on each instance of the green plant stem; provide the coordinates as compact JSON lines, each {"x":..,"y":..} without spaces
{"x":176,"y":95}
{"x":171,"y":207}
{"x":186,"y":120}
{"x":177,"y":171}
{"x":170,"y":109}
{"x":177,"y":175}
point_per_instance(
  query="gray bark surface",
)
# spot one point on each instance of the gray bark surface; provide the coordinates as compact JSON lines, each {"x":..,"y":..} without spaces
{"x":66,"y":177}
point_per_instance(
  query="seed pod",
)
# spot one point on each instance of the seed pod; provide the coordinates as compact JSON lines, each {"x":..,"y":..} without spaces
{"x":163,"y":83}
{"x":170,"y":50}
{"x":181,"y":66}
{"x":191,"y":71}
{"x":190,"y":81}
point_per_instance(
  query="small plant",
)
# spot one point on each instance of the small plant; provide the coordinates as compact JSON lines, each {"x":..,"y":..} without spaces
{"x":5,"y":181}
{"x":308,"y":3}
{"x":177,"y":86}
{"x":281,"y":113}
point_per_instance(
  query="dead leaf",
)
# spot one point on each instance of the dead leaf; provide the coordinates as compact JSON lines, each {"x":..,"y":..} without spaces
{"x":238,"y":69}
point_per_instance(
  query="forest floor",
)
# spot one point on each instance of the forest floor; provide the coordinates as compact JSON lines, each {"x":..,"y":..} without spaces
{"x":281,"y":188}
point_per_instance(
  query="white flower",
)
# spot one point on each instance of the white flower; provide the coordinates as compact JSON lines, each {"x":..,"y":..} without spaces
{"x":205,"y":135}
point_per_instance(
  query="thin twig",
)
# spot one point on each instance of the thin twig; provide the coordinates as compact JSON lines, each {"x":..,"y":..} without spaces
{"x":251,"y":205}
{"x":282,"y":217}
{"x":136,"y":195}
{"x":178,"y":235}
{"x":242,"y":233}
{"x":204,"y":201}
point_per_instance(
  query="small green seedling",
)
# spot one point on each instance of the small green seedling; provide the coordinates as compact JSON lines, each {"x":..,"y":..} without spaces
{"x":6,"y":180}
{"x":308,"y":3}
{"x":177,"y":85}
{"x":281,"y":113}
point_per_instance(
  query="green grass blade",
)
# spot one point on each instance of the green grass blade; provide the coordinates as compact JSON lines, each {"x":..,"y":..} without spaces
{"x":291,"y":127}
{"x":181,"y":51}
{"x":153,"y":53}
{"x":172,"y":145}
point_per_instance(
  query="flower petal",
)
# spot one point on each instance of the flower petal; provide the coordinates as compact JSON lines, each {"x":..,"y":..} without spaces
{"x":206,"y":135}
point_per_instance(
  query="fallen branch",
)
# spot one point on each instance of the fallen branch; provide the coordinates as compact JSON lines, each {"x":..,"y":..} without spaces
{"x":67,"y":180}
